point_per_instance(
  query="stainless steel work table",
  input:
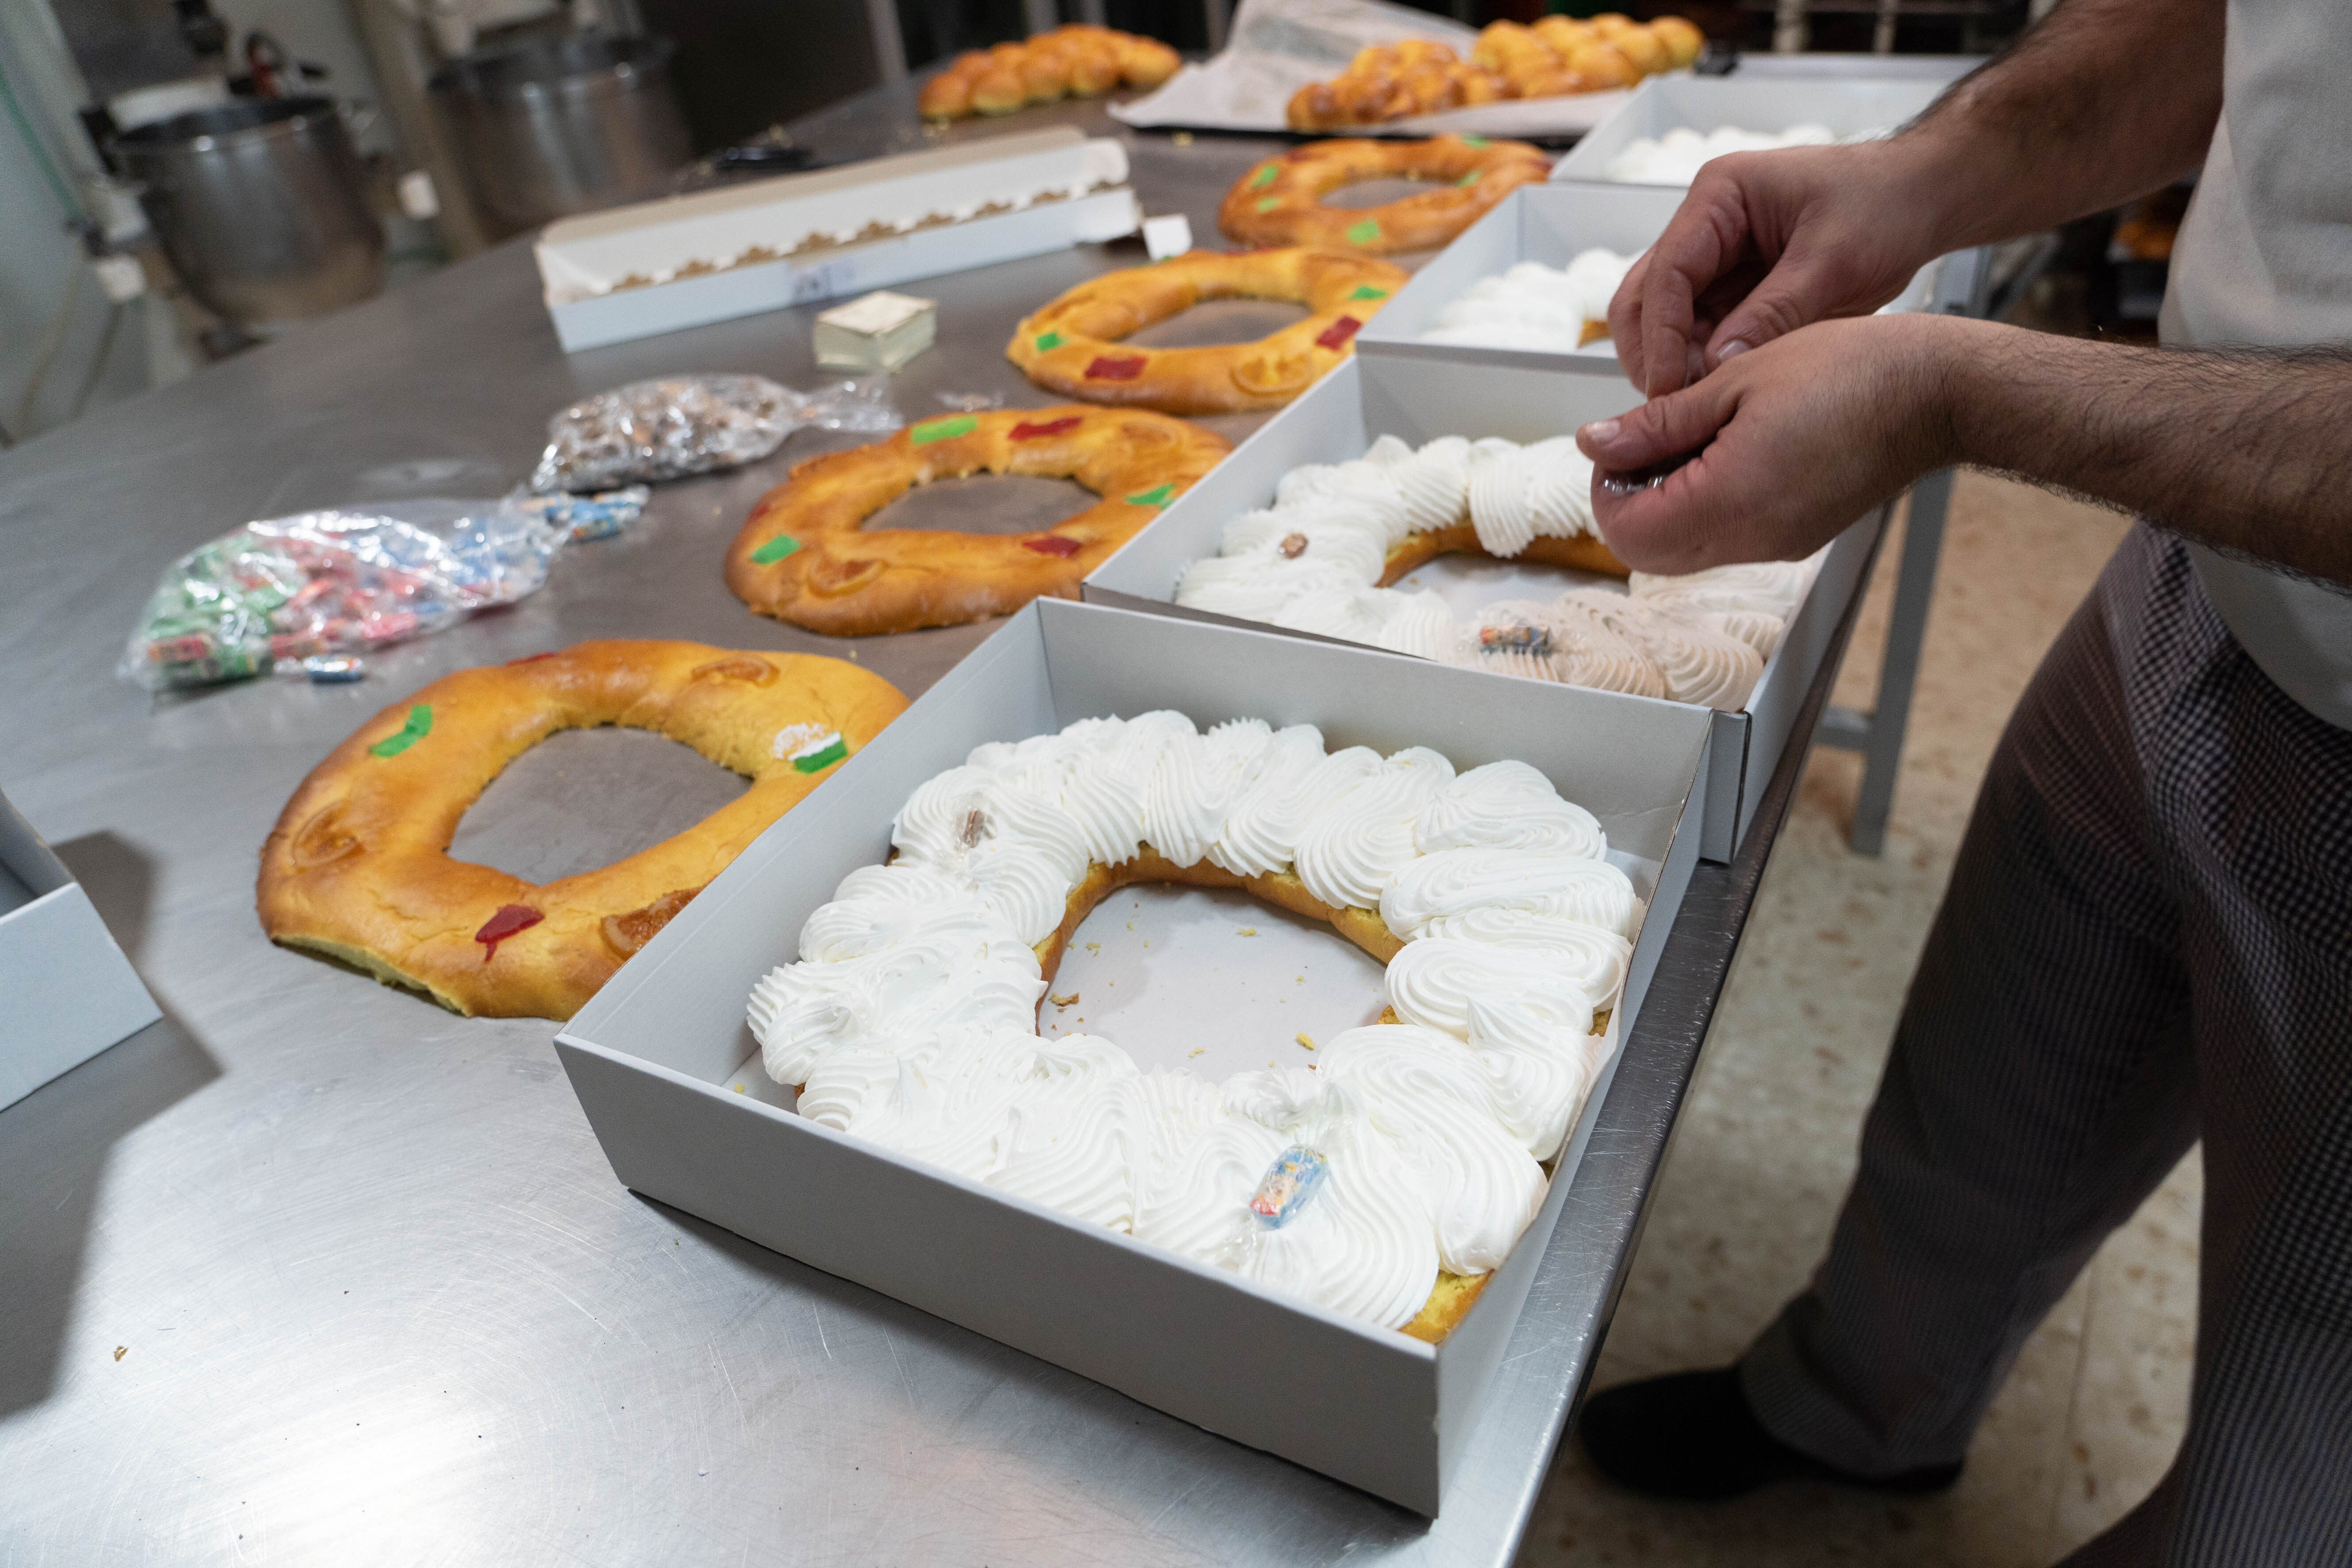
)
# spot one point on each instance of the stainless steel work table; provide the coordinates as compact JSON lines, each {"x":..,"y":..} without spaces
{"x":313,"y":1272}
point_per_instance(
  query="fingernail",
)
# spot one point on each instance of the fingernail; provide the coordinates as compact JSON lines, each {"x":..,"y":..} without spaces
{"x":1601,"y":430}
{"x":1734,"y":347}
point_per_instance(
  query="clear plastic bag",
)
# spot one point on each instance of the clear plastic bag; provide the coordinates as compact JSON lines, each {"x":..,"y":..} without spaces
{"x":675,"y":426}
{"x":275,"y":593}
{"x":590,"y":515}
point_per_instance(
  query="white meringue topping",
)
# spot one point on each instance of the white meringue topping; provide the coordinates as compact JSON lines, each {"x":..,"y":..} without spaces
{"x":910,"y":1018}
{"x":1313,"y":562}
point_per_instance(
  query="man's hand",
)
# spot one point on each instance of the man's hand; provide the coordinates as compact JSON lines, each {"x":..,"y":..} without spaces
{"x":1769,"y":242}
{"x":1800,"y":437}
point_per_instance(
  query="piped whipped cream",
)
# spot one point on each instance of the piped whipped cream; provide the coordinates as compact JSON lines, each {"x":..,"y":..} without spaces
{"x":909,"y":1017}
{"x":1552,"y":309}
{"x":1675,"y":158}
{"x":1313,"y":560}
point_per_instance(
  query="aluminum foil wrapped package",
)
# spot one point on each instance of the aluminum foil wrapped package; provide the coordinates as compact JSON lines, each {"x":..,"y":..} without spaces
{"x":325,"y":585}
{"x":675,"y":426}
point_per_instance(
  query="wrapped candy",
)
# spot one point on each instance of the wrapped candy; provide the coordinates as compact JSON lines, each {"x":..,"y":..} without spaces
{"x":307,"y":592}
{"x":673,"y":426}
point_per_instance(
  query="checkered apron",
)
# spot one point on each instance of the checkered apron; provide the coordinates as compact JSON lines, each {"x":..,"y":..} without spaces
{"x":2148,"y":939}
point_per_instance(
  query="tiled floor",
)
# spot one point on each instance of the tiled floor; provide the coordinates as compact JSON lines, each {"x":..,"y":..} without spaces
{"x":2090,"y":1418}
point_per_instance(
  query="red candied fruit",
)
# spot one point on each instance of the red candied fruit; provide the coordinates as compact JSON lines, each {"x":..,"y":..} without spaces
{"x":511,"y":919}
{"x":1338,"y":332}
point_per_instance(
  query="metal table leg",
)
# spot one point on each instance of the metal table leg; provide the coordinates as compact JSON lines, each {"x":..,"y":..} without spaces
{"x":1878,"y":734}
{"x":1963,"y":287}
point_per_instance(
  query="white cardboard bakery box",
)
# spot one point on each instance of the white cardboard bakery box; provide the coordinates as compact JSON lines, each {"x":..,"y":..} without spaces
{"x":685,"y":261}
{"x":66,"y":992}
{"x":1850,"y":106}
{"x":1552,"y":225}
{"x":1810,"y":65}
{"x":1419,"y":400}
{"x":657,"y":1056}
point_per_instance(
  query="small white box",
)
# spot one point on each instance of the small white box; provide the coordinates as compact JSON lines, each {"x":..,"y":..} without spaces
{"x":880,"y":332}
{"x":1167,"y":235}
{"x":66,"y":992}
{"x":685,"y":262}
{"x":1849,"y":106}
{"x":1418,"y":400}
{"x":655,"y":1055}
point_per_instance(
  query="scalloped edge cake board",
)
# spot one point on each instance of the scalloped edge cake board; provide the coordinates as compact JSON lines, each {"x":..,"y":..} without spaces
{"x":1852,"y":105}
{"x":1059,"y":187}
{"x":1553,"y":225}
{"x":1419,"y":400}
{"x":66,"y":992}
{"x":653,"y":1056}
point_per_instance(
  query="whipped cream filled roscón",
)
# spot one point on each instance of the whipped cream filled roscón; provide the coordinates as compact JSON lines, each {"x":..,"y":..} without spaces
{"x":1313,"y":562}
{"x":1675,"y":158}
{"x":1407,"y":1150}
{"x":1550,"y":309}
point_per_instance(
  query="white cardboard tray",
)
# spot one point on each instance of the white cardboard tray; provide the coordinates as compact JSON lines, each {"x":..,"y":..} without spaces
{"x":1850,"y":106}
{"x":1940,"y":69}
{"x":655,"y":1056}
{"x":1056,"y":188}
{"x":66,"y":992}
{"x":1418,"y":400}
{"x":1551,"y":223}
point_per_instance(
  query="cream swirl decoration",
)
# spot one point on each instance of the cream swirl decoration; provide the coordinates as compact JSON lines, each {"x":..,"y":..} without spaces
{"x":1675,"y":158}
{"x":1312,"y":562}
{"x":1408,"y":1149}
{"x":1549,"y":310}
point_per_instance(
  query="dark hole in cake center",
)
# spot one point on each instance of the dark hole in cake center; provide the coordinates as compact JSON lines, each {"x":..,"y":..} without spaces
{"x":987,"y":503}
{"x":1185,"y":980}
{"x":1214,"y":322}
{"x":1375,"y":193}
{"x":581,"y":799}
{"x":1468,"y":583}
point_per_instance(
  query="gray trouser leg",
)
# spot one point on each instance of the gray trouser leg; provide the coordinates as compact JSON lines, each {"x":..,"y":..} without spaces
{"x":2040,"y":1085}
{"x":2149,"y":938}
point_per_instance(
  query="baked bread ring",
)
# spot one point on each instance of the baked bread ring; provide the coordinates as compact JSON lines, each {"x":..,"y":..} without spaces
{"x":1072,"y":346}
{"x":358,"y":866}
{"x":1280,"y":202}
{"x":805,"y":556}
{"x":1076,"y":60}
{"x":1579,"y":553}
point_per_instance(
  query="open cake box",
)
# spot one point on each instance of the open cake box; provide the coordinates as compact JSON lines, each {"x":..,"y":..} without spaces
{"x":670,"y":1075}
{"x":1552,"y":225}
{"x":66,"y":992}
{"x":684,"y":261}
{"x":1417,"y":401}
{"x":1850,"y":106}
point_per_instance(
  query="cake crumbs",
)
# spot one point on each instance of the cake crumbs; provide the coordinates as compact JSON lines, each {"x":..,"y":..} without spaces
{"x":1246,"y":931}
{"x":1306,"y":1039}
{"x":1094,"y":947}
{"x":738,"y":1089}
{"x":1196,"y":1050}
{"x":1061,"y":1001}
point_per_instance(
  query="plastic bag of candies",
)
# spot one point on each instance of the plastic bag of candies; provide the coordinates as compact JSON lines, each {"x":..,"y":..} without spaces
{"x":324,"y":586}
{"x":677,"y":426}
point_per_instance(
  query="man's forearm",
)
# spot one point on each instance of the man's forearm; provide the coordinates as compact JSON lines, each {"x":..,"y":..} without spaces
{"x":2100,"y":102}
{"x":2246,"y":450}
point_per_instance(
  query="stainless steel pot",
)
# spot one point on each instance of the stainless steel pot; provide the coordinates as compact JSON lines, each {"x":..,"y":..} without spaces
{"x":563,"y":125}
{"x":261,"y":206}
